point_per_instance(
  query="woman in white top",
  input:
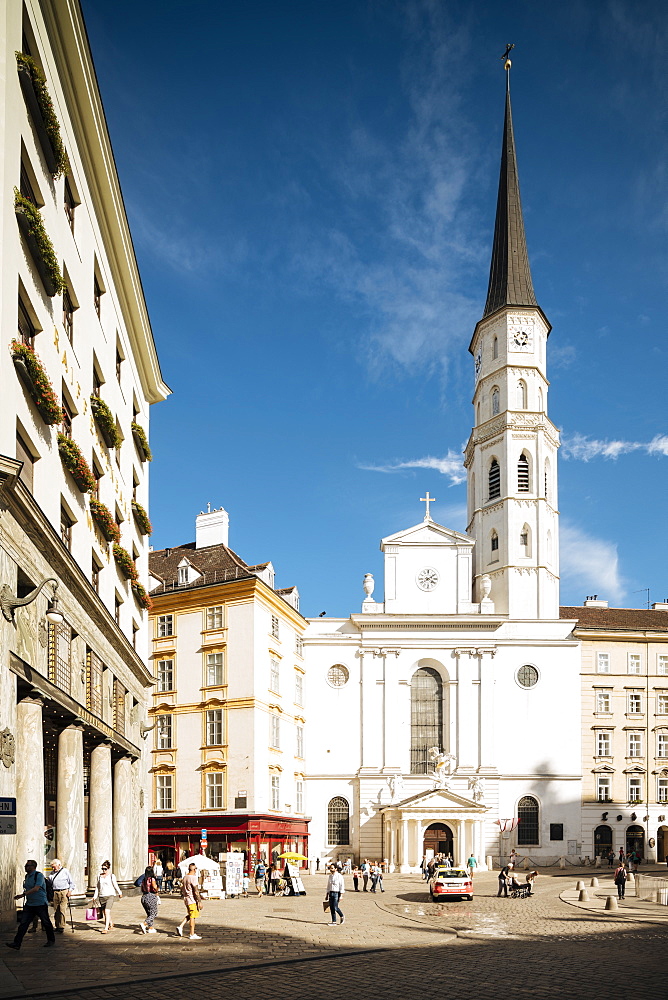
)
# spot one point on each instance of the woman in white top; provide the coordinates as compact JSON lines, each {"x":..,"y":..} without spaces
{"x":335,"y":889}
{"x":107,"y":890}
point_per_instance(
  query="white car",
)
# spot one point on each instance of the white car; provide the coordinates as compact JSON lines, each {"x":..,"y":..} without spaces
{"x":448,"y":882}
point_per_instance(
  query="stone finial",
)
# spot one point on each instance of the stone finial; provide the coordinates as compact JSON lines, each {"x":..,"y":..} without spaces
{"x":368,"y":584}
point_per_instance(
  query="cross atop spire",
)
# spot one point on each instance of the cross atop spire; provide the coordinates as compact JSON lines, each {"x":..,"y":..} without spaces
{"x":509,"y":273}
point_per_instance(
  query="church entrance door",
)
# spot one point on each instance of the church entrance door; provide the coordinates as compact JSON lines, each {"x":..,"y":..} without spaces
{"x":438,"y":839}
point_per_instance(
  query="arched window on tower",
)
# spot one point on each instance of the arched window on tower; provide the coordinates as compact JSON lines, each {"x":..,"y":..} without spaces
{"x":521,"y":395}
{"x":477,"y":419}
{"x":338,"y":821}
{"x":496,"y":400}
{"x":523,"y":484}
{"x":495,"y":348}
{"x":527,"y":829}
{"x":494,"y":480}
{"x":471,"y":497}
{"x":548,"y":547}
{"x":548,"y":482}
{"x":426,"y":717}
{"x":541,"y":403}
{"x":525,"y":541}
{"x":494,"y":547}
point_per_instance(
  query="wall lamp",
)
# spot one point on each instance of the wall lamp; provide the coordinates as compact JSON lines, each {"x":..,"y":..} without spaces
{"x":9,"y":603}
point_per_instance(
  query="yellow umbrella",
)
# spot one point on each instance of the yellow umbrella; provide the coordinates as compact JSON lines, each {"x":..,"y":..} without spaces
{"x":293,"y":856}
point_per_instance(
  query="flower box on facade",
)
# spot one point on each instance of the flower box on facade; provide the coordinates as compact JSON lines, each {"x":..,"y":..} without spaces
{"x":104,"y":519}
{"x":142,"y":519}
{"x":31,"y":372}
{"x":76,"y":464}
{"x":142,"y":597}
{"x":125,"y":563}
{"x":104,"y":419}
{"x":39,"y":245}
{"x":40,"y":106}
{"x":139,"y":434}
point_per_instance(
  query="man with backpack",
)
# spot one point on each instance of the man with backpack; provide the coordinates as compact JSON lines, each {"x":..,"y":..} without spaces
{"x":260,"y":874}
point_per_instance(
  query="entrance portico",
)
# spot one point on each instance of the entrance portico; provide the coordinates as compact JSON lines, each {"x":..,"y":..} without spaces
{"x":405,"y":824}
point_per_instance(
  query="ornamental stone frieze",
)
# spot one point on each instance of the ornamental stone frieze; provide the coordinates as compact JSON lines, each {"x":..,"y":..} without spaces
{"x":492,"y":510}
{"x":491,"y":444}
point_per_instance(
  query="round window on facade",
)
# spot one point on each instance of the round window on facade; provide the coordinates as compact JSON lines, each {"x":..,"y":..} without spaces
{"x":527,"y":676}
{"x":337,"y":675}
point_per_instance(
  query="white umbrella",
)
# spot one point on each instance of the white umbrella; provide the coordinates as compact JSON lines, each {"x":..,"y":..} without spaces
{"x":201,"y":861}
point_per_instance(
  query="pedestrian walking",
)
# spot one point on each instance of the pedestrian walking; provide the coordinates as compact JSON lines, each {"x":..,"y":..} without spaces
{"x":611,"y":858}
{"x":513,"y":857}
{"x":620,"y":880}
{"x":366,"y":871}
{"x":471,"y":864}
{"x":193,"y":902}
{"x":62,"y":886}
{"x":168,"y":876}
{"x":356,"y":879}
{"x":36,"y":905}
{"x":621,"y":855}
{"x":260,"y":875}
{"x":246,"y":883}
{"x":335,"y":889}
{"x":149,"y":900}
{"x":275,"y":876}
{"x":106,"y":891}
{"x":504,"y":876}
{"x":158,"y":870}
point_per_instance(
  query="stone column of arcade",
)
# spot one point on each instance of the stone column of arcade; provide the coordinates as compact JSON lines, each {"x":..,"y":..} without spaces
{"x":29,"y":784}
{"x":123,"y":822}
{"x":404,"y":847}
{"x":70,"y":805}
{"x":99,"y":812}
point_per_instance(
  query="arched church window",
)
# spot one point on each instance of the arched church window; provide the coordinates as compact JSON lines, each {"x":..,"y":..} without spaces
{"x":478,"y":414}
{"x":523,"y":474}
{"x":494,"y":544}
{"x":541,"y":405}
{"x":495,"y":348}
{"x":525,"y":541}
{"x":494,"y":480}
{"x":521,"y":395}
{"x":426,"y":717}
{"x":527,"y":812}
{"x":338,"y":821}
{"x":496,"y":400}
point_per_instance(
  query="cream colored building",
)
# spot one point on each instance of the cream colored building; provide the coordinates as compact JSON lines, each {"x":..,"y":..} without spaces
{"x":624,"y":728}
{"x":228,"y":703}
{"x":73,"y":695}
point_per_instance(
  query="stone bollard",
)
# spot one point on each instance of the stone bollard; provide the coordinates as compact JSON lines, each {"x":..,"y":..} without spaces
{"x":611,"y":903}
{"x":598,"y":861}
{"x":580,"y":884}
{"x":583,"y":897}
{"x":594,"y":883}
{"x":562,"y":862}
{"x":490,"y":863}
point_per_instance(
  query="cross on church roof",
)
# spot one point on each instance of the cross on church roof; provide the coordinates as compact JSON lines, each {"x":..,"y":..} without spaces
{"x":427,"y":500}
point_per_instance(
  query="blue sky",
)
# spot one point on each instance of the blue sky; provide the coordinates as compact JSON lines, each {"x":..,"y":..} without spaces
{"x":311,"y":189}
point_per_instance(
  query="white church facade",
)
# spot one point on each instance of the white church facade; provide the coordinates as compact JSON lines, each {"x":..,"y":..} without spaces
{"x":452,"y":705}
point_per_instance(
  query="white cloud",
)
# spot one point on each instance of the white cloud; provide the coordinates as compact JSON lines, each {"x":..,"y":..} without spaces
{"x":590,"y":563}
{"x":451,"y":466}
{"x":583,"y":448}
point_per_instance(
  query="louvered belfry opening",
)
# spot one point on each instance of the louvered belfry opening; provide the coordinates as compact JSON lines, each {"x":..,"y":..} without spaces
{"x":494,"y":480}
{"x":523,"y":474}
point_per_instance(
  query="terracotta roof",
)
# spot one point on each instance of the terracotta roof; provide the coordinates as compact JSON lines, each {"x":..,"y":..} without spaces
{"x":619,"y":619}
{"x":216,"y":562}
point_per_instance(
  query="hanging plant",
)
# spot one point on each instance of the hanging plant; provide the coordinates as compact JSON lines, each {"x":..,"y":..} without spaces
{"x":41,"y":248}
{"x":104,"y":419}
{"x":142,"y":597}
{"x":142,"y":518}
{"x":125,"y":563}
{"x":105,"y":520}
{"x":76,"y":464}
{"x":36,"y":381}
{"x":58,"y":161}
{"x":141,"y":441}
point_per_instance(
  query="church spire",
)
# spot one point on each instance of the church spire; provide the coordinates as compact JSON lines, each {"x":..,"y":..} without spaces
{"x":509,"y":274}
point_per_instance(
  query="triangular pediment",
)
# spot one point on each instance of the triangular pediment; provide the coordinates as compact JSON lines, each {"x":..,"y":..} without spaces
{"x":439,"y":798}
{"x":427,"y":533}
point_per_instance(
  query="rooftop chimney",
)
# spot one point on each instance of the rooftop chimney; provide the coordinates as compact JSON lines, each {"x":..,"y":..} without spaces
{"x":593,"y":602}
{"x":212,"y":527}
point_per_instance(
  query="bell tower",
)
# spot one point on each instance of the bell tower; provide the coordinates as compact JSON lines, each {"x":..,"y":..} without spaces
{"x":511,"y":455}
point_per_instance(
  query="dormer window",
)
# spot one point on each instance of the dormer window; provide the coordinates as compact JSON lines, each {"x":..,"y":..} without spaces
{"x":183,"y":575}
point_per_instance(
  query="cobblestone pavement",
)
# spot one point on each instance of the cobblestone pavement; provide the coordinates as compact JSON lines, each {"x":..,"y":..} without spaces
{"x":396,"y":945}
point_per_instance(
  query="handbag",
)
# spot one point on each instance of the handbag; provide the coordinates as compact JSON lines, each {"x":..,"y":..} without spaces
{"x":91,"y":913}
{"x":325,"y":905}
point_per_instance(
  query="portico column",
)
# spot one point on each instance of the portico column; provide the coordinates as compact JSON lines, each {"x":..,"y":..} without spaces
{"x":123,"y":820}
{"x":404,"y":846}
{"x":99,"y":811}
{"x":461,"y":846}
{"x":392,"y":842}
{"x":70,"y":805}
{"x":29,"y":781}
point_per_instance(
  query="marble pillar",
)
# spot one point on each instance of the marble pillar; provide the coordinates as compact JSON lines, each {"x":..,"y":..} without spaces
{"x":70,"y":805}
{"x":99,"y":811}
{"x":404,"y":846}
{"x":29,"y":784}
{"x":123,"y":821}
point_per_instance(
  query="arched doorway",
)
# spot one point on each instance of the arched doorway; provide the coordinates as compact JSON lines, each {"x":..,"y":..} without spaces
{"x":662,"y":843}
{"x":438,"y":839}
{"x":635,"y":840}
{"x":602,"y":841}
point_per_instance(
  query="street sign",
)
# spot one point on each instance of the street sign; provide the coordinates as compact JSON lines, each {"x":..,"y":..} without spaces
{"x":203,"y":837}
{"x":7,"y":824}
{"x":7,"y":807}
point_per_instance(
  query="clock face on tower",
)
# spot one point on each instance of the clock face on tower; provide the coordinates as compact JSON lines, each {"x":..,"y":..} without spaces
{"x":521,"y":340}
{"x":427,"y":578}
